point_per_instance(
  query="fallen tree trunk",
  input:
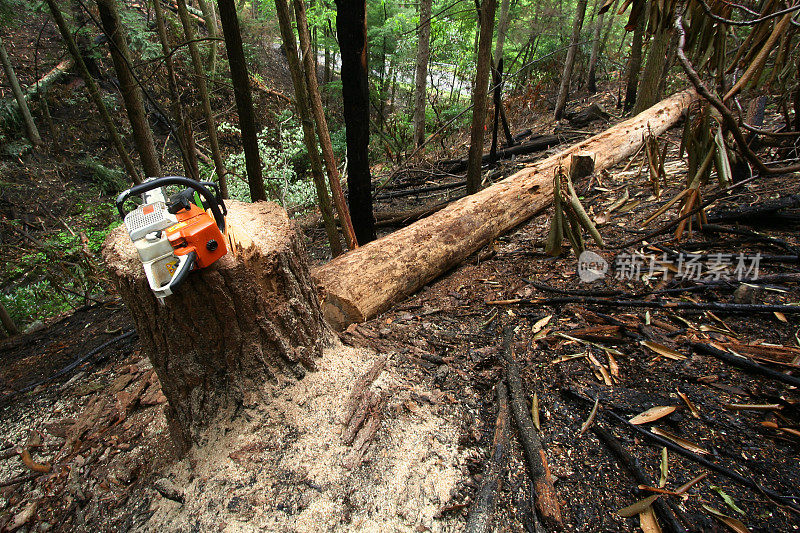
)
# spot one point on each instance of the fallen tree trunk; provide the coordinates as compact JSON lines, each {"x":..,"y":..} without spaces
{"x":398,"y":264}
{"x":47,"y":81}
{"x":536,"y":144}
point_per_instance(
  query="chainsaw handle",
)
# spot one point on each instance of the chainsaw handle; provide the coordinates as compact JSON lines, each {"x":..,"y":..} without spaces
{"x":183,"y":270}
{"x":214,"y":200}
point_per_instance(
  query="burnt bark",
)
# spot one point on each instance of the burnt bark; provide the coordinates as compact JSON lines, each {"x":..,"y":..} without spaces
{"x":250,"y":320}
{"x":351,"y":30}
{"x":635,"y":62}
{"x":131,"y":92}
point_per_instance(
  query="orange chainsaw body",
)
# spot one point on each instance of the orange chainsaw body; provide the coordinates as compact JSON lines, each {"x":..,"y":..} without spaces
{"x":196,"y":231}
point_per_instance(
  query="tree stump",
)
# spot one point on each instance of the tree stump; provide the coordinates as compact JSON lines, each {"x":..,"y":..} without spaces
{"x":251,"y":318}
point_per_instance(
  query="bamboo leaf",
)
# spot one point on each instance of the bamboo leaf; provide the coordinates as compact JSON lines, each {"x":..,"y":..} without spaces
{"x":727,"y":499}
{"x":652,"y":414}
{"x":680,"y":441}
{"x":662,"y":350}
{"x":732,"y":523}
{"x":637,"y":507}
{"x":648,"y":521}
{"x":662,"y":481}
{"x":535,"y":411}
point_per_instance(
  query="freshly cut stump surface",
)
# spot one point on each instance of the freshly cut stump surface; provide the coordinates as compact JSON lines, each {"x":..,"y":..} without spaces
{"x":251,"y":318}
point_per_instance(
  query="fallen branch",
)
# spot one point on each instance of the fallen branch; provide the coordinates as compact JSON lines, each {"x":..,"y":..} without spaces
{"x":480,"y":515}
{"x":745,"y":364}
{"x":638,"y":474}
{"x":655,"y":304}
{"x":788,"y":501}
{"x":547,"y":502}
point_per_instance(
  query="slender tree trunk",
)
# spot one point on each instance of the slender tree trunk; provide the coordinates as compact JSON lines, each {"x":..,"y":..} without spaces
{"x":569,"y":63}
{"x":244,"y":100}
{"x":200,"y":84}
{"x":351,"y":29}
{"x":423,"y":57}
{"x":797,"y":96}
{"x":7,"y":322}
{"x":592,"y":81}
{"x":306,"y":120}
{"x":185,"y":134}
{"x":30,"y":126}
{"x":329,"y":158}
{"x":213,"y":32}
{"x":502,"y":29}
{"x":635,"y":61}
{"x":131,"y":92}
{"x":94,"y":92}
{"x":648,"y":93}
{"x":486,"y":17}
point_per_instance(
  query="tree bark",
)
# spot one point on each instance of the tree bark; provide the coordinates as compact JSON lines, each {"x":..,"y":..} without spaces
{"x":569,"y":62}
{"x":486,"y":18}
{"x":648,"y":93}
{"x":8,"y":323}
{"x":397,"y":265}
{"x":307,"y":122}
{"x":31,"y":132}
{"x":244,"y":100}
{"x":213,"y":32}
{"x":502,"y":29}
{"x":592,"y":78}
{"x":185,"y":134}
{"x":250,"y":318}
{"x":423,"y":57}
{"x":635,"y":61}
{"x":351,"y":30}
{"x":331,"y":166}
{"x":200,"y":84}
{"x":94,"y":92}
{"x":131,"y":92}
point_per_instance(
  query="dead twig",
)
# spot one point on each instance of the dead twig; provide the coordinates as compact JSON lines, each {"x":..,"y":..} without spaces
{"x":547,"y":503}
{"x":745,"y":364}
{"x":480,"y":515}
{"x":655,"y":304}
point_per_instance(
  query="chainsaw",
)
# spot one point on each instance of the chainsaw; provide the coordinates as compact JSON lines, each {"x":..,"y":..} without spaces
{"x":177,"y":235}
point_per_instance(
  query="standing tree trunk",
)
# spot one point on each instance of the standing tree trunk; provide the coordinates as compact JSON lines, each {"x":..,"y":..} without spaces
{"x":592,"y":78}
{"x":351,"y":30}
{"x":423,"y":57}
{"x":200,"y":84}
{"x":30,"y":126}
{"x":331,"y":165}
{"x":502,"y":29}
{"x":94,"y":92}
{"x":569,"y":63}
{"x":213,"y":33}
{"x":635,"y":61}
{"x":8,"y":323}
{"x":301,"y":102}
{"x":649,"y":93}
{"x":131,"y":92}
{"x":250,"y":320}
{"x":486,"y":17}
{"x":185,"y":134}
{"x":244,"y":100}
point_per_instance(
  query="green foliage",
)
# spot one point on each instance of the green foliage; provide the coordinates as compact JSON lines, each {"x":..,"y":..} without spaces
{"x":282,"y":165}
{"x":142,"y":39}
{"x":38,"y":301}
{"x":110,"y":180}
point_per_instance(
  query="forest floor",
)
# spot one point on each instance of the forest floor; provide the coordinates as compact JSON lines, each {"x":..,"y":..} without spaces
{"x":89,"y":449}
{"x":84,"y":444}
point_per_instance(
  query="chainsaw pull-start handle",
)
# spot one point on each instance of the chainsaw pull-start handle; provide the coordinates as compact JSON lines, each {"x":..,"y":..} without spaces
{"x":214,"y":200}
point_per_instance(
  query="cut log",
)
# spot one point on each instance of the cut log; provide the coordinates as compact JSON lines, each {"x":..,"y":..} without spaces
{"x":398,"y":264}
{"x":250,"y":318}
{"x":536,"y":144}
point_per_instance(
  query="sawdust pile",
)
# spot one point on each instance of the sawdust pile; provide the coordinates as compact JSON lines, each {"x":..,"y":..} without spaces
{"x":281,"y":465}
